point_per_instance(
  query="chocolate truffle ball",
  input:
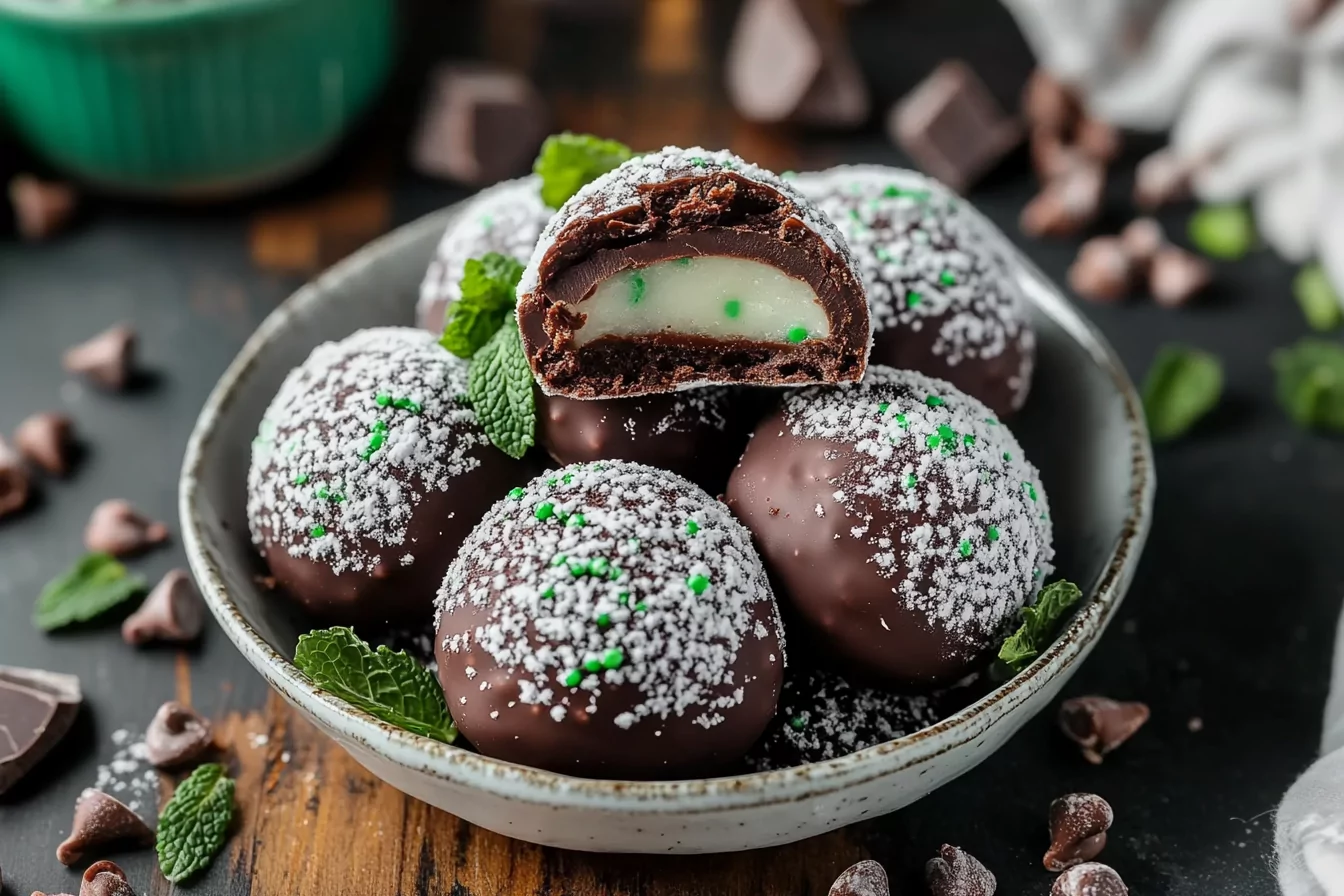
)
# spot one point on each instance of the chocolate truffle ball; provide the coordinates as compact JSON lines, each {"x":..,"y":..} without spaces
{"x":900,"y":521}
{"x":696,"y":433}
{"x":610,"y":620}
{"x":507,"y":218}
{"x":367,"y":473}
{"x":941,"y":280}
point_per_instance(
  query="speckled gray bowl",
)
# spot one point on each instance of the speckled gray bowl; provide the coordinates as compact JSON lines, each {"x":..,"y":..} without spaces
{"x":1082,"y":426}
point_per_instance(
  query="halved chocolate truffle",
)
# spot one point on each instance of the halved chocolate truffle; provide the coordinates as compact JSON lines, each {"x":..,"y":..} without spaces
{"x":942,"y":286}
{"x":367,"y":472}
{"x":689,"y":267}
{"x":610,"y":620}
{"x":900,"y":520}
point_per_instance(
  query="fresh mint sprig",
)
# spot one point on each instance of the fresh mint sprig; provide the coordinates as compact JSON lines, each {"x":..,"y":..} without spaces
{"x":94,"y":585}
{"x":568,"y":161}
{"x":499,"y":386}
{"x":1182,"y":386}
{"x":195,"y":822}
{"x":487,"y":286}
{"x":1040,"y":621}
{"x":1310,"y":383}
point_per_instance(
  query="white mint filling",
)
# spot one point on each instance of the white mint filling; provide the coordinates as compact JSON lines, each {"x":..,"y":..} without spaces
{"x":713,"y":296}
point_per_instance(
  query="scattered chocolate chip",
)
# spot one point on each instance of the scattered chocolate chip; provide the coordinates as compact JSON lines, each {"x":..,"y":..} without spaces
{"x":1102,"y":271}
{"x":1078,"y":826}
{"x":1090,"y":879}
{"x":105,"y":879}
{"x":1177,"y":276}
{"x":36,"y":710}
{"x":116,"y":528}
{"x":1100,"y":724}
{"x":1141,"y":239}
{"x":42,"y":208}
{"x":1098,"y":140}
{"x":46,"y":440}
{"x":106,"y":360}
{"x":173,"y":611}
{"x":15,"y":486}
{"x":866,"y":878}
{"x":1194,"y":725}
{"x":1049,"y":105}
{"x":955,"y":872}
{"x":1159,"y":179}
{"x":1051,"y":157}
{"x":101,"y":820}
{"x":1305,"y":14}
{"x":1069,"y":202}
{"x":177,"y":736}
{"x":952,"y":127}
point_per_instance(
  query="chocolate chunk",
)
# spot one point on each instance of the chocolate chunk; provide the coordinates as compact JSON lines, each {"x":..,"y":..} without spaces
{"x":1049,"y":105}
{"x":955,"y":872}
{"x":866,"y":878}
{"x":1069,"y":202}
{"x":46,"y":440}
{"x":42,"y":208}
{"x":105,"y":879}
{"x":789,"y":60}
{"x":1103,"y":270}
{"x":480,"y":124}
{"x":1098,"y":140}
{"x":36,"y":710}
{"x":1090,"y":879}
{"x":1177,"y":276}
{"x":101,"y":820}
{"x":106,"y":360}
{"x":116,"y":528}
{"x":1100,"y":724}
{"x":1159,"y":179}
{"x":173,"y":611}
{"x":1141,"y":239}
{"x":177,"y":736}
{"x":1078,"y":825}
{"x":14,"y":482}
{"x":951,"y":126}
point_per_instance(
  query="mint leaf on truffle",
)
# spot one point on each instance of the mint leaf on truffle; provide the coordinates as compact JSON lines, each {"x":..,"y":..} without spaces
{"x":194,"y":823}
{"x":1318,"y":300}
{"x":1311,"y":383}
{"x":569,"y":161}
{"x":499,"y":385}
{"x":487,"y":285}
{"x":1039,"y":623}
{"x":91,"y":587}
{"x":1225,"y":232}
{"x":1182,"y":386}
{"x":392,"y":686}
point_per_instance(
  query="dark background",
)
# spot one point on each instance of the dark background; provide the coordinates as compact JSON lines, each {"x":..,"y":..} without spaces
{"x":1230,"y":620}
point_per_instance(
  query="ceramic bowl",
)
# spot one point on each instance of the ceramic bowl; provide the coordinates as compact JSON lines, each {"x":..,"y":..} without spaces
{"x":1082,"y":426}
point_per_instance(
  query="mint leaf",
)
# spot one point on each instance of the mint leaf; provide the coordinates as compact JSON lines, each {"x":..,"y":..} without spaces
{"x":1318,"y":300}
{"x":1311,"y":383}
{"x":392,"y":686}
{"x":487,"y":285}
{"x":569,"y":161}
{"x":94,"y":585}
{"x":1039,"y":624}
{"x":499,"y":385}
{"x":1182,"y":386}
{"x":194,"y":823}
{"x":1225,"y":232}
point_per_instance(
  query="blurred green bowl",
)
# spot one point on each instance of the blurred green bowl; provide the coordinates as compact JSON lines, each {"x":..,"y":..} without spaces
{"x":189,"y":97}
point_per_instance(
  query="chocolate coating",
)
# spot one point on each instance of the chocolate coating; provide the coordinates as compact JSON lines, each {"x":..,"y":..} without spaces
{"x":610,"y":620}
{"x":900,"y":522}
{"x":678,"y":204}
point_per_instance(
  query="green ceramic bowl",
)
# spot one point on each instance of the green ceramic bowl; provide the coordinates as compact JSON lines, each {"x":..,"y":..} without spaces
{"x":189,"y":97}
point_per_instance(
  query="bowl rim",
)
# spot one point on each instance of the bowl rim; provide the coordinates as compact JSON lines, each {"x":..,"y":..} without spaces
{"x":131,"y":14}
{"x":689,"y":796}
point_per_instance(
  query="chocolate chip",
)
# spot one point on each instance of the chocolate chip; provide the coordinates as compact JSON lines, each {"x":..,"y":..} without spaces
{"x":46,"y":440}
{"x":42,"y":208}
{"x":1049,"y":105}
{"x":15,"y":487}
{"x":1102,"y":271}
{"x":37,"y":709}
{"x":1100,"y":724}
{"x":116,"y":528}
{"x":101,"y":820}
{"x":173,"y":611}
{"x":105,"y":879}
{"x":1141,"y":239}
{"x":177,"y":736}
{"x":1051,"y":157}
{"x":1078,"y":825}
{"x":1069,"y":202}
{"x":1159,"y":179}
{"x":866,"y":878}
{"x":1177,"y":276}
{"x":1097,"y":140}
{"x":955,"y":872}
{"x":1090,"y":879}
{"x":106,"y":360}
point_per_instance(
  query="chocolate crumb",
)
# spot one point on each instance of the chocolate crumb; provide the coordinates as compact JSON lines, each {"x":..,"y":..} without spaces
{"x":173,"y":611}
{"x":177,"y":736}
{"x":1100,"y":724}
{"x":955,"y":872}
{"x":1090,"y":879}
{"x":106,"y":360}
{"x":866,"y":878}
{"x":1141,"y":239}
{"x":1177,"y":276}
{"x":15,"y":487}
{"x":45,"y":439}
{"x":1103,"y":270}
{"x":105,"y":879}
{"x":42,"y":208}
{"x":116,"y":528}
{"x":102,"y":820}
{"x":1049,"y":105}
{"x":1078,"y":825}
{"x":1160,"y":178}
{"x":1069,"y":202}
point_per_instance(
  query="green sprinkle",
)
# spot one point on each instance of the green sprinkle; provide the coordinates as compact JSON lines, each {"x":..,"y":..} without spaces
{"x":797,"y":334}
{"x":567,"y":478}
{"x":789,"y":175}
{"x":613,"y":658}
{"x":1031,"y":490}
{"x":615,"y":573}
{"x":965,"y":548}
{"x":515,"y":493}
{"x":684,"y":262}
{"x":854,"y":213}
{"x":376,"y":439}
{"x":1224,"y":232}
{"x":637,"y":288}
{"x":697,"y":161}
{"x":732,"y":307}
{"x":992,"y":534}
{"x":408,"y":404}
{"x":301,"y":479}
{"x":641,"y":606}
{"x":882,"y":408}
{"x":558,"y":560}
{"x":487,"y":222}
{"x":599,"y":566}
{"x":947,"y":278}
{"x":545,"y":510}
{"x":318,"y":531}
{"x":634,"y":544}
{"x":912,"y":299}
{"x":968,"y":439}
{"x":991,"y":421}
{"x":549,"y":593}
{"x":932,"y":441}
{"x":692,"y":527}
{"x":1007,"y":455}
{"x":910,"y":480}
{"x":326,"y":494}
{"x":901,"y":421}
{"x":623,"y":598}
{"x":551,"y":481}
{"x":934,"y":401}
{"x":603,"y":620}
{"x":593,"y":665}
{"x":579,"y":568}
{"x":382,"y":399}
{"x":698,"y":583}
{"x":797,"y":723}
{"x":572,"y":678}
{"x":576,"y":520}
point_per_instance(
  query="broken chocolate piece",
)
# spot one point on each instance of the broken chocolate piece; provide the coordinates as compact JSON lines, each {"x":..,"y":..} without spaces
{"x":173,"y":611}
{"x":1103,"y":270}
{"x":1069,"y":202}
{"x":1089,"y":879}
{"x":178,"y":735}
{"x":116,"y":528}
{"x":42,"y":208}
{"x":480,"y":124}
{"x":105,"y":879}
{"x":101,"y":820}
{"x":1100,"y":724}
{"x":1177,"y":276}
{"x":106,"y":360}
{"x":952,"y":127}
{"x":15,"y":486}
{"x":1141,"y":239}
{"x":689,"y":267}
{"x":1159,"y":179}
{"x":36,"y":710}
{"x":955,"y":872}
{"x":1049,"y":105}
{"x":866,"y":878}
{"x":1078,"y":826}
{"x":45,"y":439}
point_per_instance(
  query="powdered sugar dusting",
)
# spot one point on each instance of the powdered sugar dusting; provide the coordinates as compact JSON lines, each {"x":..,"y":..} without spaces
{"x":129,"y":776}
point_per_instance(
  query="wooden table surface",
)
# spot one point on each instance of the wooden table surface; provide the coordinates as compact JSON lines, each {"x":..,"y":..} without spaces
{"x":1230,"y":620}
